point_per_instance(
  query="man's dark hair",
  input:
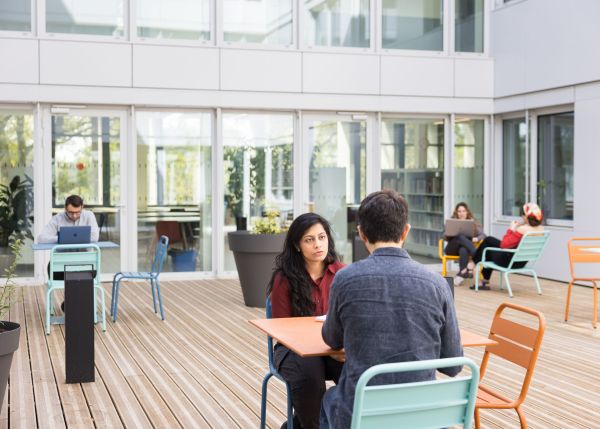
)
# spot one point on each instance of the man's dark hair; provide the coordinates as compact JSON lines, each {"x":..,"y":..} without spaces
{"x":382,"y":216}
{"x":74,"y":200}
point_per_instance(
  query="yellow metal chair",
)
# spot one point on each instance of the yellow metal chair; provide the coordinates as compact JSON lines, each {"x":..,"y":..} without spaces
{"x":445,"y":258}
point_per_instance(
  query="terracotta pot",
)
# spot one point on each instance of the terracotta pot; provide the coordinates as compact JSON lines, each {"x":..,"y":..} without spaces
{"x":9,"y":343}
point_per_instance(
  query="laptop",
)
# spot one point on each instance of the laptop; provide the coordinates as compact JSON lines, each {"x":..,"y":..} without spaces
{"x":74,"y":234}
{"x":455,"y":227}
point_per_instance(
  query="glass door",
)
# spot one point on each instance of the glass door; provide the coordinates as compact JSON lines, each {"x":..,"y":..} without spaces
{"x":335,"y":154}
{"x":87,"y":158}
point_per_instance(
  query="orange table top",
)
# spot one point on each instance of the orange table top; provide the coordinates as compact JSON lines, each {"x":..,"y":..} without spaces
{"x":303,"y":336}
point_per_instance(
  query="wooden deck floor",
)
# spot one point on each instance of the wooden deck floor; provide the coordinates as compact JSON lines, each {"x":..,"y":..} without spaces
{"x":203,"y":366}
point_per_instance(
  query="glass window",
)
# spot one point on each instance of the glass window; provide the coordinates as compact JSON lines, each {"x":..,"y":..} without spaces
{"x":16,"y":188}
{"x":174,"y":193}
{"x":412,"y":163}
{"x":337,"y":23}
{"x":468,"y":163}
{"x":337,"y":176}
{"x":468,"y":26}
{"x":104,"y":18}
{"x":555,"y":165}
{"x":15,"y":15}
{"x":258,"y":163}
{"x":173,"y":19}
{"x":413,"y":24}
{"x":251,"y":21}
{"x":514,"y":172}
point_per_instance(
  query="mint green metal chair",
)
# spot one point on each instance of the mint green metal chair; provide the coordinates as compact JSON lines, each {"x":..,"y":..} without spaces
{"x":529,"y":250}
{"x":424,"y":404}
{"x":73,"y":257}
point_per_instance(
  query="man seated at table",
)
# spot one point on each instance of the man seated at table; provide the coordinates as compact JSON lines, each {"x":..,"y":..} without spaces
{"x":74,"y":215}
{"x":386,"y":308}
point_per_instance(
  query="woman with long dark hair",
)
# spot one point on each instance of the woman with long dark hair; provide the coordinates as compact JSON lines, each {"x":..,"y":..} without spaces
{"x":300,"y":286}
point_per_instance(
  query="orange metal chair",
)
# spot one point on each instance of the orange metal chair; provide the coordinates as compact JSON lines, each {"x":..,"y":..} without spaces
{"x":518,"y":344}
{"x":582,"y":251}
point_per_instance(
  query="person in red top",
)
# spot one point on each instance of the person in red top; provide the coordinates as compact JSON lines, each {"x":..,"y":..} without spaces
{"x":531,"y":216}
{"x":300,"y":284}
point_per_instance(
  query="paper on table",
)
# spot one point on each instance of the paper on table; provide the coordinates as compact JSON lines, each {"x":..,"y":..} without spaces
{"x":321,"y":318}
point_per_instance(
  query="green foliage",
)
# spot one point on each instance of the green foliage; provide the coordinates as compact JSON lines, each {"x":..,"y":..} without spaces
{"x":9,"y":293}
{"x":16,"y":206}
{"x":270,"y":224}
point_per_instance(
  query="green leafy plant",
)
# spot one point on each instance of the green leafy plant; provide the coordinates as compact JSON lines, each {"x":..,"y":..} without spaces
{"x":9,"y":293}
{"x":16,"y":206}
{"x":270,"y":224}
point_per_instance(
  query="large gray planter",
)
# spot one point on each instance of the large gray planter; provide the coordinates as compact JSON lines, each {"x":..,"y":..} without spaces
{"x":9,"y":342}
{"x":254,"y":256}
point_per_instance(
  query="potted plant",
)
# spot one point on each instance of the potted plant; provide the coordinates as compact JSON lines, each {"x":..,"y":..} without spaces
{"x":16,"y":206}
{"x":254,"y":253}
{"x":9,"y":331}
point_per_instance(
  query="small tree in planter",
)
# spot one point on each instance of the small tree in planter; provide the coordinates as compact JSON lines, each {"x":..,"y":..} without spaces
{"x":254,"y":255}
{"x":9,"y":331}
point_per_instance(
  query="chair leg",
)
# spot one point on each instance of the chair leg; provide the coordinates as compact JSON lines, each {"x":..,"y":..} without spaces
{"x":116,"y":305}
{"x":153,"y":294}
{"x":508,"y":288}
{"x":595,"y":318}
{"x":101,"y":290}
{"x":537,"y":282}
{"x":290,"y":410}
{"x":477,"y":419}
{"x":568,"y":300}
{"x":160,"y":303}
{"x":444,"y":269}
{"x":477,"y":270}
{"x":263,"y":401}
{"x":522,"y":418}
{"x":501,"y":281}
{"x":48,"y":303}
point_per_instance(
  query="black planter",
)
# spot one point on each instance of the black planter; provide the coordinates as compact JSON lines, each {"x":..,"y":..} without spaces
{"x":254,"y":256}
{"x":9,"y":342}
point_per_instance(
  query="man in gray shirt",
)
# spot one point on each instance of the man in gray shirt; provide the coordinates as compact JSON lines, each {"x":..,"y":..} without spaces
{"x":386,"y":308}
{"x":74,"y":215}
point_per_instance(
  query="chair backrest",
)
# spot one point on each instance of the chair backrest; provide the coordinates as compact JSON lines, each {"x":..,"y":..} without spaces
{"x":517,"y":343}
{"x":269,"y":314}
{"x":159,"y":255}
{"x":425,"y":404}
{"x":583,"y":250}
{"x":171,"y":229}
{"x":531,"y":247}
{"x":74,"y":257}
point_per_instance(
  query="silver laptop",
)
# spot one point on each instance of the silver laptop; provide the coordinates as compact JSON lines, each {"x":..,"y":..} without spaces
{"x":456,"y":227}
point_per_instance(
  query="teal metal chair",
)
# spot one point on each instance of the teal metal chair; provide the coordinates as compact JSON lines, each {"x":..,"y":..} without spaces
{"x":273,"y":373}
{"x":73,"y":257}
{"x":529,"y":250}
{"x":160,"y":254}
{"x":424,"y":404}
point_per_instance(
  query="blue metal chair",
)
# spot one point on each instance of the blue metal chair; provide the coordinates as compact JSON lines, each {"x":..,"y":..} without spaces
{"x":73,"y":257}
{"x":529,"y":250}
{"x":159,"y":258}
{"x":425,"y":404}
{"x":273,"y":373}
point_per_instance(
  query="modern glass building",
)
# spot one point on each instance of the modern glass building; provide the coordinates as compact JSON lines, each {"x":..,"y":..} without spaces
{"x":201,"y":111}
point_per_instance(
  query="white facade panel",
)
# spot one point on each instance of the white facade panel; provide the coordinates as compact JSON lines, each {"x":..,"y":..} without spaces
{"x":340,"y":73}
{"x":85,"y":63}
{"x":259,"y":70}
{"x":19,"y":61}
{"x":417,"y":76}
{"x":175,"y":67}
{"x":473,"y":78}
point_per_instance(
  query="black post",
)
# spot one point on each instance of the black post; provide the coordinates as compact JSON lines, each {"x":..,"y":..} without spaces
{"x":79,"y":326}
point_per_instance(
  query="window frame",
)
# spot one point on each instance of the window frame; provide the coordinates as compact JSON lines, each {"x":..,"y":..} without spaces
{"x":33,"y":13}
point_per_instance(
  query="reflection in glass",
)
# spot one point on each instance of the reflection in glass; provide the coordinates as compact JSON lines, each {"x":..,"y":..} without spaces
{"x":15,"y":15}
{"x":173,"y":19}
{"x":468,"y":164}
{"x":102,"y":18}
{"x":412,"y":163}
{"x":343,"y":23}
{"x":86,"y":160}
{"x":175,"y":188}
{"x":514,"y":173}
{"x":413,"y":24}
{"x":258,"y":163}
{"x":468,"y":26}
{"x":251,"y":21}
{"x":16,"y":147}
{"x":555,"y":165}
{"x":337,"y":176}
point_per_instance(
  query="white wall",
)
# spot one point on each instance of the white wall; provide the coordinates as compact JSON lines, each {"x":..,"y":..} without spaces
{"x":543,"y":44}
